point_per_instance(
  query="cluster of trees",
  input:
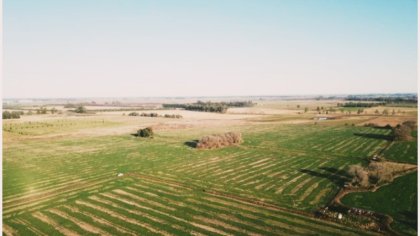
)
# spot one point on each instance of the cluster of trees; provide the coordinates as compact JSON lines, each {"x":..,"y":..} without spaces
{"x":375,"y":173}
{"x":402,"y":132}
{"x":12,"y":115}
{"x":143,"y":114}
{"x":361,"y":104}
{"x":145,"y":133}
{"x":219,"y":140}
{"x":220,"y":107}
{"x":154,"y":115}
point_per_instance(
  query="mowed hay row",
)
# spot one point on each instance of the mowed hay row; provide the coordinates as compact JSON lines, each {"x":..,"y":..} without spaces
{"x":402,"y":152}
{"x":157,"y":209}
{"x":341,"y":140}
{"x":43,"y":199}
{"x":135,"y":210}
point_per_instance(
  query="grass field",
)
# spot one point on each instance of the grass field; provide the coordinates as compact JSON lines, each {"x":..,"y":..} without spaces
{"x":55,"y":174}
{"x":398,"y":199}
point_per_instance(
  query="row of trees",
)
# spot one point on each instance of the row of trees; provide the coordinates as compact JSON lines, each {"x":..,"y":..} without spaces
{"x":220,"y":107}
{"x":154,"y":115}
{"x":361,"y":104}
{"x":12,"y":115}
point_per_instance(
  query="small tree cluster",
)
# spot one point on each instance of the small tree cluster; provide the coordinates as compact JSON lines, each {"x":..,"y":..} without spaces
{"x":41,"y":110}
{"x":402,"y":132}
{"x":375,"y":173}
{"x":12,"y":115}
{"x":219,"y":140}
{"x":146,"y":132}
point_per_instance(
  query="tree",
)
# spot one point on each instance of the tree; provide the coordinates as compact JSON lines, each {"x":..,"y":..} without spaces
{"x":146,"y":132}
{"x":402,"y":133}
{"x":53,"y":110}
{"x":359,"y":175}
{"x":306,"y":109}
{"x":410,"y":123}
{"x":80,"y":109}
{"x":298,"y":106}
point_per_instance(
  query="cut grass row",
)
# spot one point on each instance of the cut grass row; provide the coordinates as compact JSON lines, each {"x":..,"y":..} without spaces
{"x":144,"y":207}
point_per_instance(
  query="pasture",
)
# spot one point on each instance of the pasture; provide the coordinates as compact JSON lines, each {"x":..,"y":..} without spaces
{"x":60,"y":173}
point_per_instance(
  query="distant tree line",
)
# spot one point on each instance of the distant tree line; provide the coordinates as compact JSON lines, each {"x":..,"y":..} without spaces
{"x":385,"y":99}
{"x":12,"y":115}
{"x":361,"y":104}
{"x":220,"y":107}
{"x":154,"y":115}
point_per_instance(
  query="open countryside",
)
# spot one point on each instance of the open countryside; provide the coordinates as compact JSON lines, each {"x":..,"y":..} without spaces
{"x":266,"y":166}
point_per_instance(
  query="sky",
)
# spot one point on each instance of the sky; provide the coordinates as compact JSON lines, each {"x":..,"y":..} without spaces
{"x":141,"y":48}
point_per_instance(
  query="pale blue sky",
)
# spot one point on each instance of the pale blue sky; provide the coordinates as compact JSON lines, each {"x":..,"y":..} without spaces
{"x":88,"y":48}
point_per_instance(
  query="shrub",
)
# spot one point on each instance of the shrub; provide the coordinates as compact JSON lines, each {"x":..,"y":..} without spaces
{"x":133,"y":114}
{"x":219,"y":140}
{"x":146,"y":132}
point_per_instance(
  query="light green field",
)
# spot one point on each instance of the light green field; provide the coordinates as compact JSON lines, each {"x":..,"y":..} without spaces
{"x":59,"y":182}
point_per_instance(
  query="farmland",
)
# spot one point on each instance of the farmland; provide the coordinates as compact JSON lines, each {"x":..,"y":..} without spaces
{"x":60,"y":172}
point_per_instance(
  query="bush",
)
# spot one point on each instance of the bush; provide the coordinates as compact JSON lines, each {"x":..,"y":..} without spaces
{"x":219,"y":140}
{"x":146,"y":132}
{"x":133,"y":114}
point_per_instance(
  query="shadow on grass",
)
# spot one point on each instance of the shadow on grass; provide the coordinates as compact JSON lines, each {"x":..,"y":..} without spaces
{"x":409,"y":218}
{"x":375,"y":136}
{"x":191,"y":144}
{"x":338,"y":177}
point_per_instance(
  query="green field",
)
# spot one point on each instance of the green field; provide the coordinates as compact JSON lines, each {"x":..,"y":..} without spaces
{"x":405,"y":151}
{"x":169,"y":188}
{"x":398,"y":199}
